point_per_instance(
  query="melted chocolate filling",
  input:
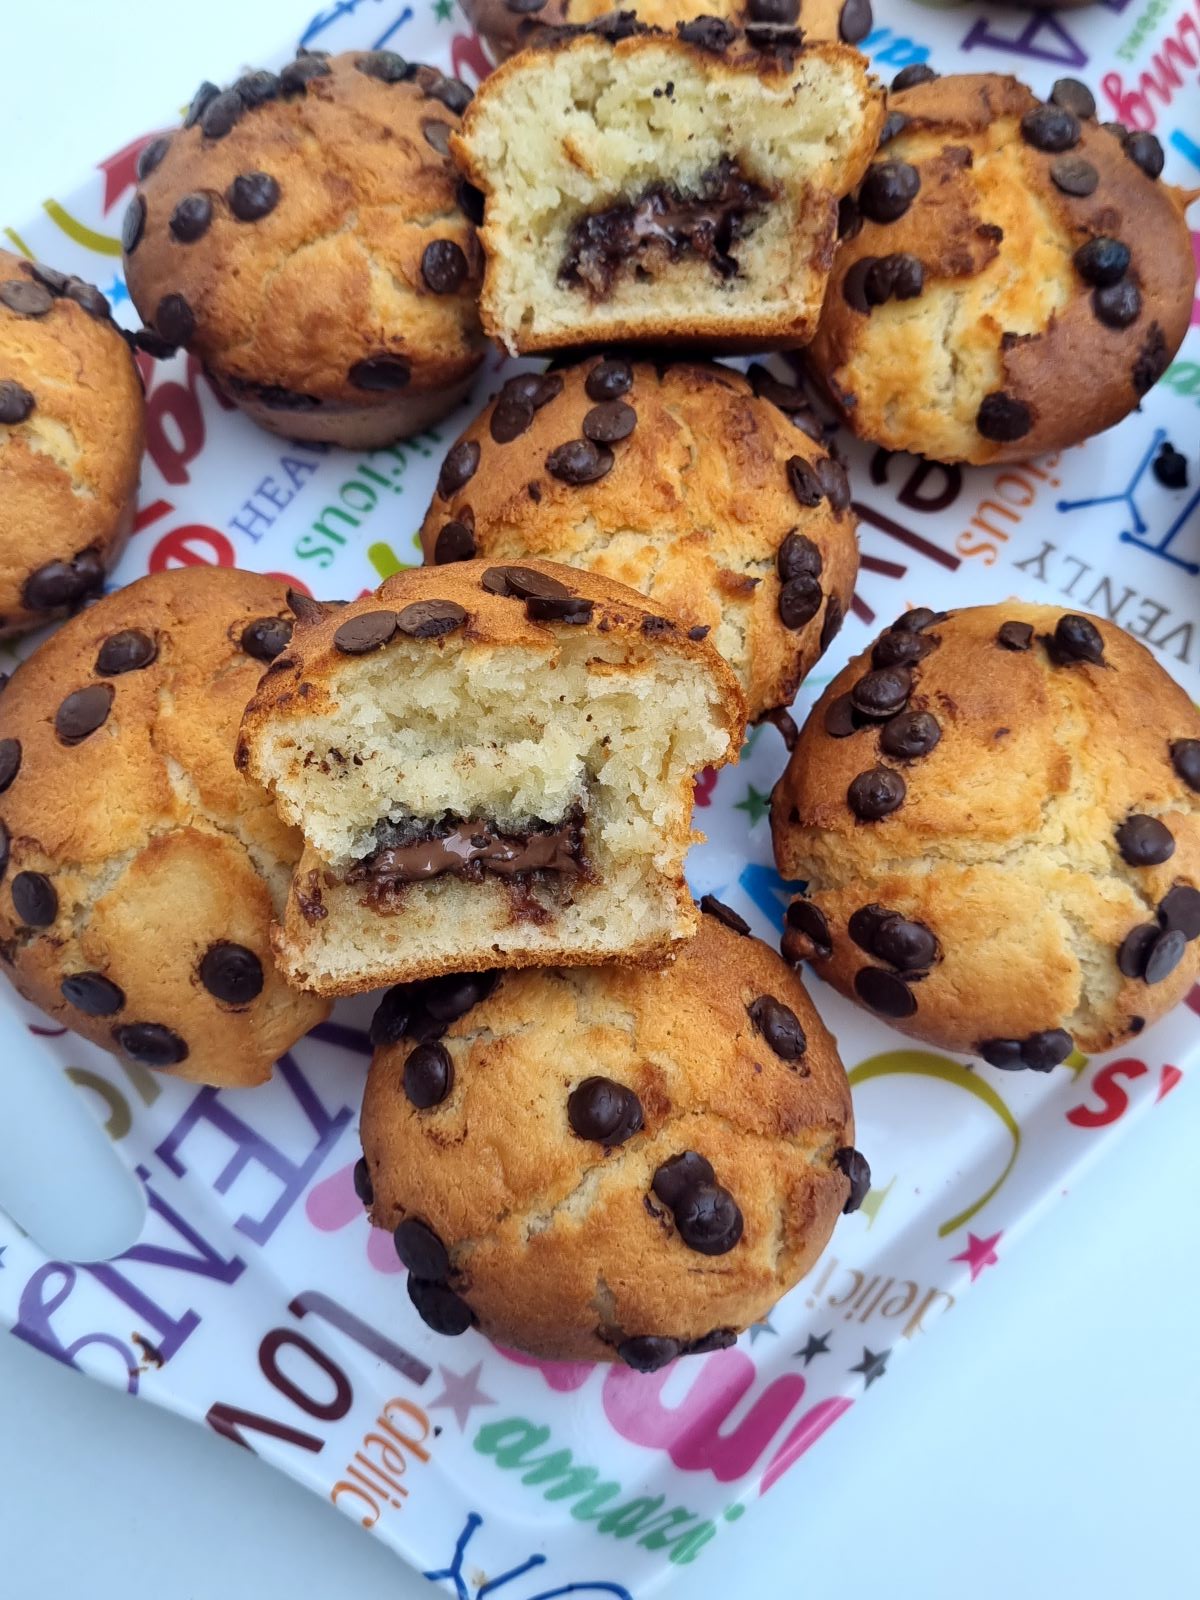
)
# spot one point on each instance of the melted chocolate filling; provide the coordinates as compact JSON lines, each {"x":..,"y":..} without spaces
{"x":470,"y":849}
{"x":662,"y":225}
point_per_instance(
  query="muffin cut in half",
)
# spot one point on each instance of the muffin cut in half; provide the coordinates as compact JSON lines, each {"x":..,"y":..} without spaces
{"x":492,"y":767}
{"x":640,"y":185}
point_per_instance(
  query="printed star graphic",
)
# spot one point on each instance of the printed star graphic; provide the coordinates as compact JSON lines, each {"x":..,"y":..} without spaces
{"x":872,"y":1366}
{"x":3,"y":1248}
{"x":980,"y":1253}
{"x":441,"y":10}
{"x":461,"y":1393}
{"x":755,"y":805}
{"x":758,"y":1328}
{"x":813,"y":1347}
{"x":117,"y":292}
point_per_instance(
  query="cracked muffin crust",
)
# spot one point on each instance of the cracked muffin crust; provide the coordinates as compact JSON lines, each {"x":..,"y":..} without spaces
{"x":71,"y":423}
{"x":138,"y":872}
{"x":713,"y":502}
{"x":686,"y":1144}
{"x":304,"y":234}
{"x":995,"y":812}
{"x":1013,"y":276}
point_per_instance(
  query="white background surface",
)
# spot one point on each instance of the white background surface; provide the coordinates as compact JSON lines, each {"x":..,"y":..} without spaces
{"x":1040,"y":1441}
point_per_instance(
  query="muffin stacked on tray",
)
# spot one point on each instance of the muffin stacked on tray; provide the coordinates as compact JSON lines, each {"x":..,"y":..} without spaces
{"x":603,"y":1122}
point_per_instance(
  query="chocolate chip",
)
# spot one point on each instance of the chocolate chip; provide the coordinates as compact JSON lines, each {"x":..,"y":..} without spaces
{"x":606,"y":1112}
{"x":1185,"y":758}
{"x":92,"y":993}
{"x":221,"y":115}
{"x":884,"y":992}
{"x":708,"y":1219}
{"x":579,"y":461}
{"x":428,"y":1075}
{"x":854,"y":21}
{"x":716,"y":908}
{"x":840,"y":718}
{"x":89,"y":299}
{"x":26,"y":298}
{"x":609,"y":379}
{"x":1170,"y":467}
{"x":1145,"y":841}
{"x":1119,"y":305}
{"x":455,"y":542}
{"x":62,"y":583}
{"x":1074,"y":176}
{"x":446,"y":999}
{"x":876,"y":793}
{"x":1040,"y":1052}
{"x":714,"y":1339}
{"x":256,"y":89}
{"x":443,"y":266}
{"x":707,"y":33}
{"x":252,"y":196}
{"x":849,"y":218}
{"x":918,"y":619}
{"x":175,"y":320}
{"x":232,"y":973}
{"x":1164,"y":955}
{"x":511,"y":416}
{"x":150,"y":158}
{"x":539,"y":388}
{"x":452,"y":92}
{"x":894,"y":124}
{"x":1071,"y":95}
{"x":523,"y":583}
{"x":364,"y":633}
{"x":834,"y":483}
{"x":127,"y":651}
{"x":882,"y":693}
{"x":16,"y":402}
{"x":798,"y":557}
{"x":1135,"y":948}
{"x":701,"y":631}
{"x":609,"y":422}
{"x":34,"y":899}
{"x":896,"y":648}
{"x":559,"y":608}
{"x":381,"y":374}
{"x":1179,"y":908}
{"x":50,"y":277}
{"x":4,"y":850}
{"x":298,"y":74}
{"x":437,"y":135}
{"x":808,"y":930}
{"x":854,"y":1165}
{"x":204,"y":95}
{"x":1015,"y":635}
{"x":832,"y":624}
{"x":647,"y":1352}
{"x":1152,"y":361}
{"x":191,"y":218}
{"x":266,"y":637}
{"x":1003,"y":418}
{"x":779,"y":12}
{"x":470,"y":201}
{"x":1050,"y":128}
{"x":779,"y":1026}
{"x":804,"y":482}
{"x":82,"y":712}
{"x":440,"y":1308}
{"x":1077,"y":639}
{"x":363,"y":1187}
{"x":421,"y":1251}
{"x":908,"y":946}
{"x":132,"y":228}
{"x":151,"y":1043}
{"x":10,"y":761}
{"x":888,"y":190}
{"x":1144,"y":150}
{"x":909,"y":736}
{"x":799,"y":601}
{"x":1102,"y":261}
{"x":430,"y":619}
{"x":909,"y":77}
{"x":459,"y":467}
{"x":895,"y":277}
{"x":388,"y":67}
{"x":680,"y":1173}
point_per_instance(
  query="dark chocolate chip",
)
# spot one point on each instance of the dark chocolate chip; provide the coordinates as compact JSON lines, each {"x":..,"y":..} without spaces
{"x":204,"y":95}
{"x":440,"y":1308}
{"x":175,"y":320}
{"x":835,"y":484}
{"x":876,"y":793}
{"x":910,"y":735}
{"x":882,"y":693}
{"x":132,"y":228}
{"x":1170,"y":466}
{"x":1015,"y":635}
{"x":150,"y":158}
{"x":459,"y":467}
{"x":381,"y":374}
{"x":1152,"y":361}
{"x":50,"y":277}
{"x":82,"y":712}
{"x":907,"y":946}
{"x":428,"y":1075}
{"x":606,"y":1112}
{"x":437,"y":135}
{"x":1074,"y":176}
{"x":779,"y":12}
{"x":559,"y":608}
{"x":93,"y":994}
{"x":888,"y":190}
{"x":1179,"y":908}
{"x":470,"y":201}
{"x":523,"y":583}
{"x":898,"y":648}
{"x":446,"y":999}
{"x":701,"y":631}
{"x":1185,"y":758}
{"x":10,"y":761}
{"x":832,"y":624}
{"x":840,"y":718}
{"x":1003,"y":418}
{"x":810,"y":928}
{"x":16,"y":402}
{"x":647,"y":1352}
{"x":854,"y":285}
{"x":1077,"y":639}
{"x":1118,"y":305}
{"x":266,"y":637}
{"x":854,"y":1164}
{"x":364,"y":633}
{"x":232,"y":973}
{"x":221,"y":115}
{"x":864,"y":924}
{"x":62,"y":583}
{"x":1135,"y":948}
{"x":910,"y":77}
{"x":127,"y":651}
{"x":452,"y":92}
{"x":256,"y":89}
{"x":296,"y":76}
{"x":798,"y":557}
{"x":1102,"y":261}
{"x":855,"y":21}
{"x":1050,"y":128}
{"x":1041,"y":1052}
{"x":723,"y":913}
{"x":918,"y":619}
{"x":1164,"y":955}
{"x":35,"y":899}
{"x":609,"y":379}
{"x":894,"y":124}
{"x":1071,"y":95}
{"x":707,"y":33}
{"x":363,"y":1187}
{"x":804,"y":481}
{"x":895,"y":277}
{"x":147,"y":340}
{"x":443,"y":266}
{"x":191,"y":218}
{"x":609,"y":422}
{"x":884,"y":992}
{"x":4,"y":850}
{"x":579,"y":461}
{"x":1145,"y":841}
{"x":421,"y":1251}
{"x":849,"y":217}
{"x":304,"y":608}
{"x":680,"y":1173}
{"x":779,"y":1026}
{"x":455,"y":542}
{"x":788,"y":397}
{"x":708,"y":1218}
{"x":430,"y":619}
{"x":388,"y":67}
{"x":252,"y":196}
{"x":799,"y":600}
{"x":25,"y":297}
{"x":1144,"y":150}
{"x":87,"y":296}
{"x":151,"y":1043}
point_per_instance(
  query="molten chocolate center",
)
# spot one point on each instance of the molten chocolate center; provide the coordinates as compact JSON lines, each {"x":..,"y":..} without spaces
{"x":471,"y":849}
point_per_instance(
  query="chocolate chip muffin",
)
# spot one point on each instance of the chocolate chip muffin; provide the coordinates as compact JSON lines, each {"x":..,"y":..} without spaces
{"x":138,"y":872}
{"x":492,"y":766}
{"x":685,"y":1145}
{"x":1013,"y":276}
{"x":995,"y":811}
{"x":71,"y":418}
{"x":506,"y":26}
{"x":679,"y":481}
{"x":649,"y":186}
{"x":304,"y":234}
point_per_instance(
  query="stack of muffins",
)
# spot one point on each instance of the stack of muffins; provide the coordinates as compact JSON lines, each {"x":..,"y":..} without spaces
{"x":222,"y":805}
